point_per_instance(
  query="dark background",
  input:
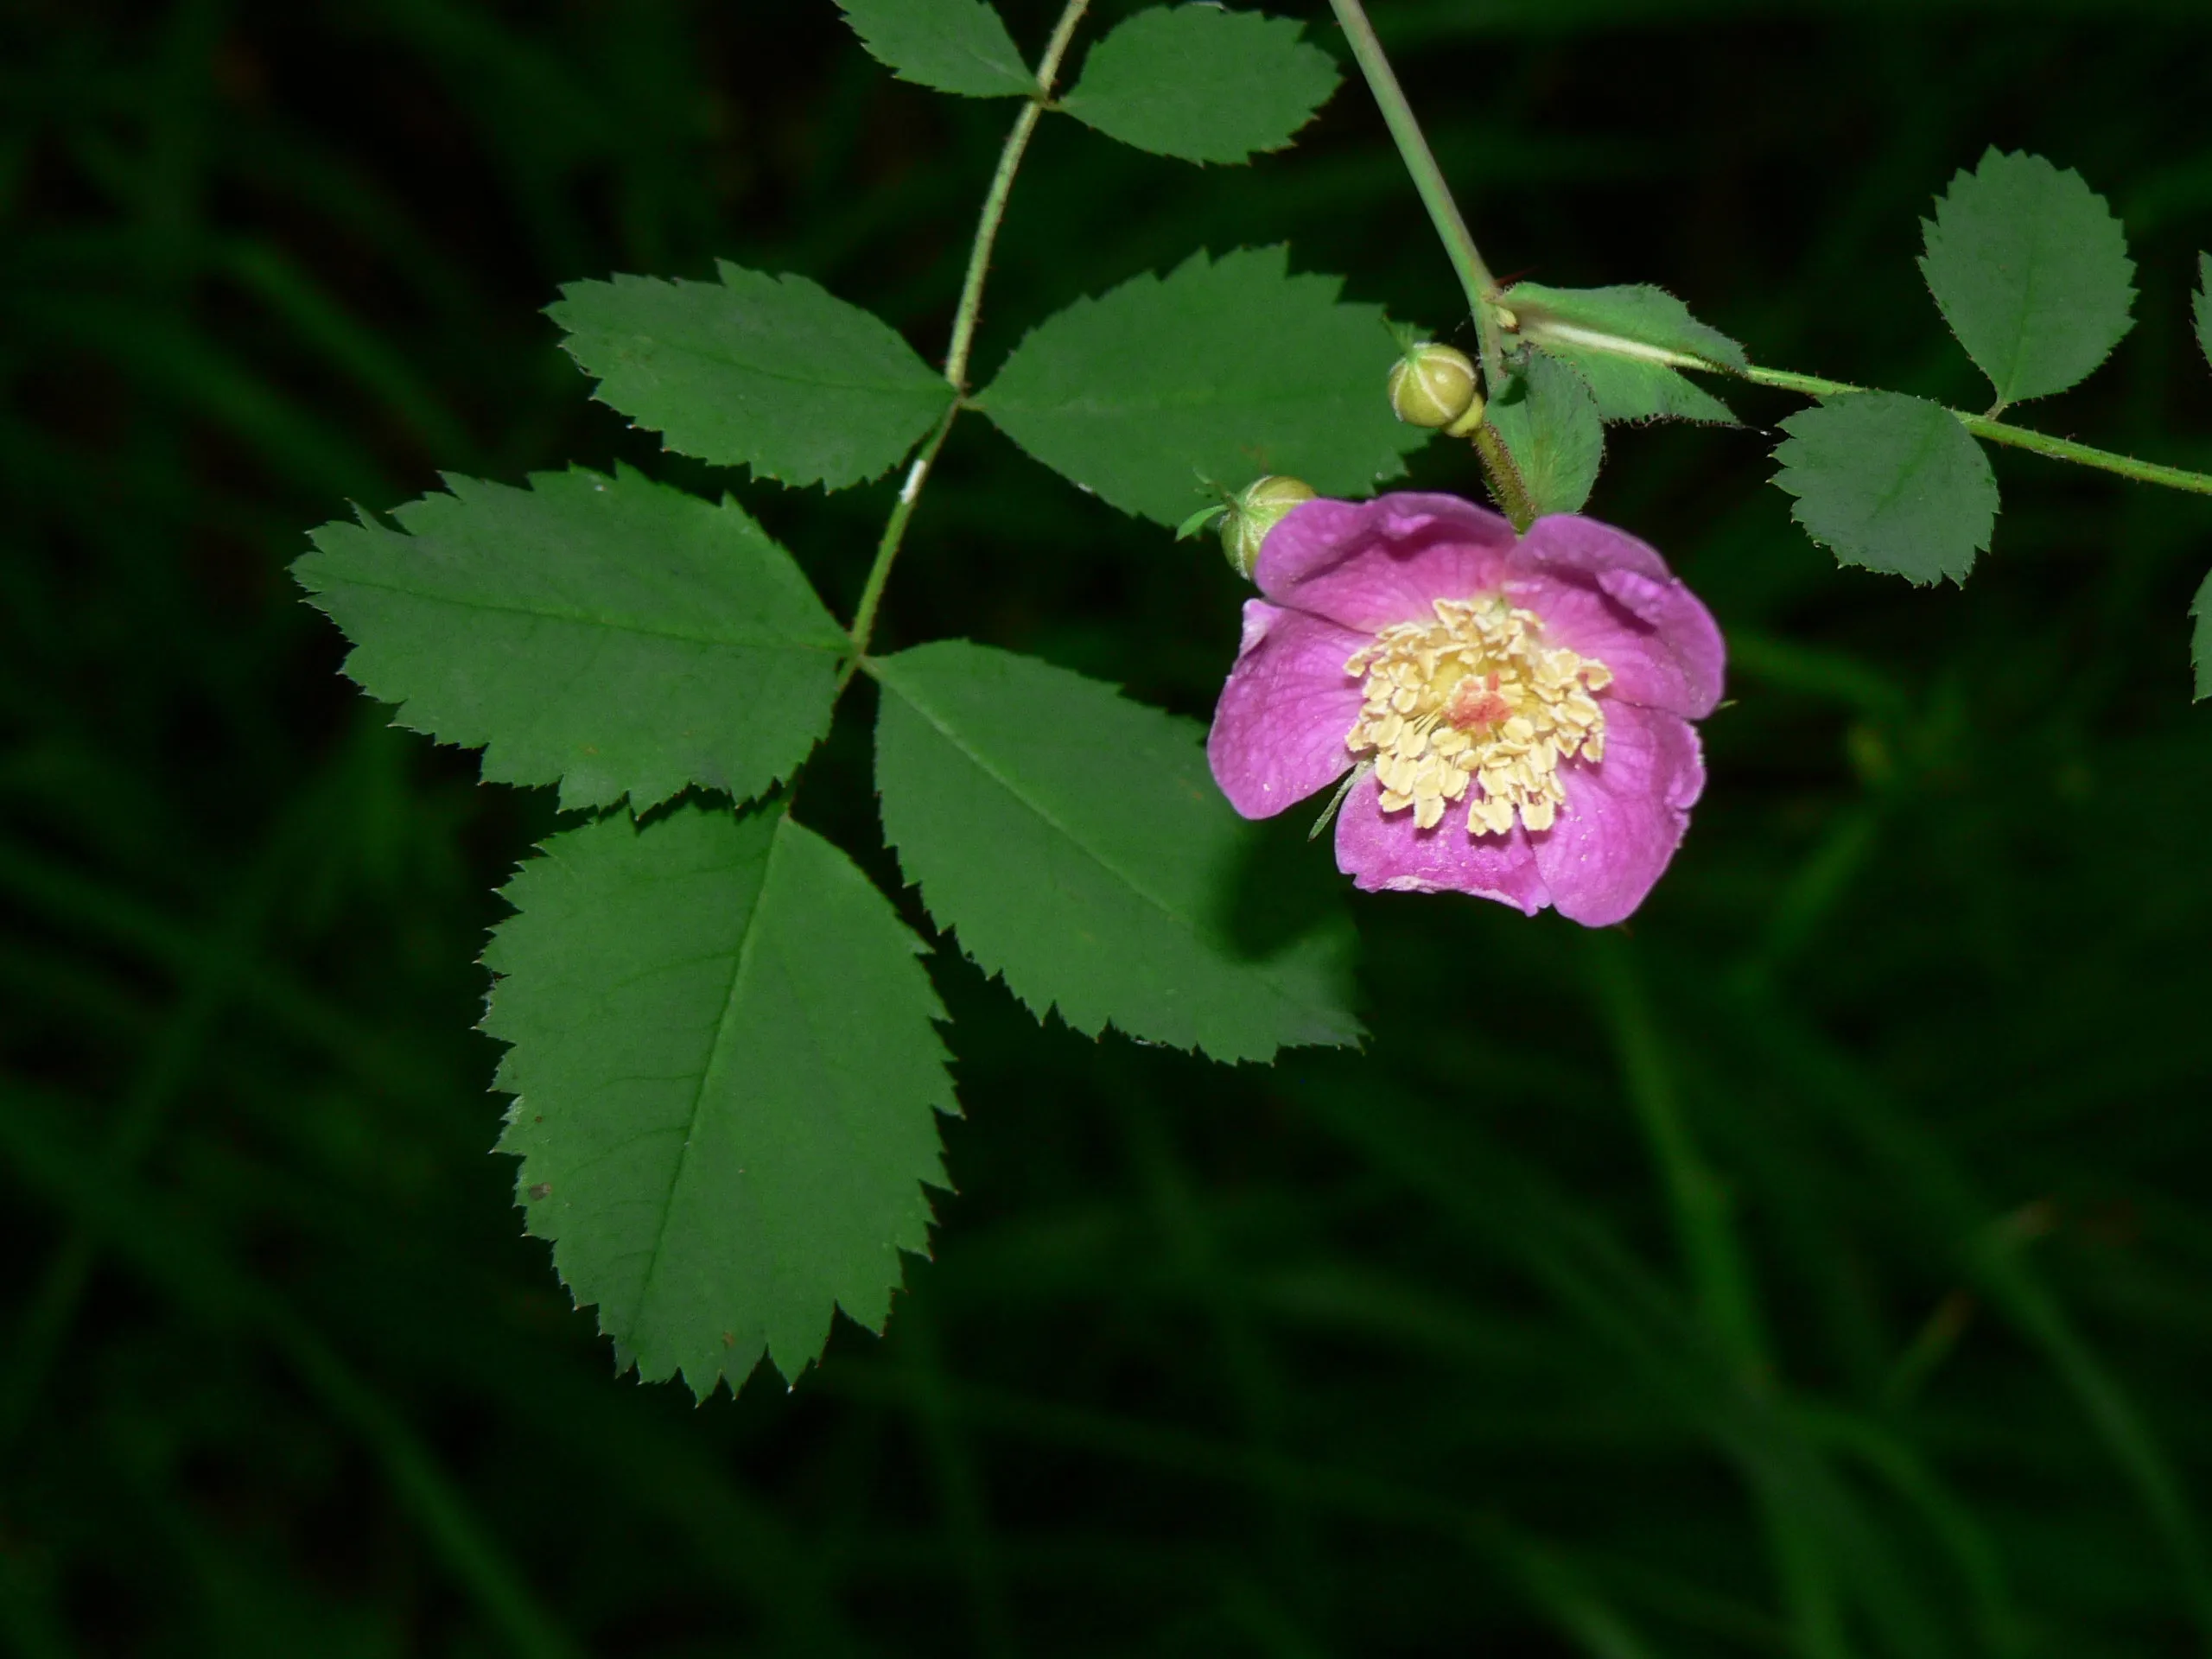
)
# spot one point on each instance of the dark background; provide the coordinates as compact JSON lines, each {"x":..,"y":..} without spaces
{"x":1818,"y":1269}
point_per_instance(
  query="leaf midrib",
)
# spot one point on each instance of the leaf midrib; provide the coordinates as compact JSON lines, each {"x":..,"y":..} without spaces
{"x":2032,"y":261}
{"x":1207,"y":403}
{"x":758,"y":642}
{"x":740,"y":962}
{"x":924,"y":380}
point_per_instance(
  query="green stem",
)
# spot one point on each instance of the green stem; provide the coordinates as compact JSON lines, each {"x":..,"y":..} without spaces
{"x":964,"y":319}
{"x":2018,"y":437}
{"x":1428,"y":179}
{"x":886,"y":548}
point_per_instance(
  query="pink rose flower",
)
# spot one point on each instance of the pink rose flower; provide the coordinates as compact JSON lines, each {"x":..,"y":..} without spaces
{"x":1519,"y":707}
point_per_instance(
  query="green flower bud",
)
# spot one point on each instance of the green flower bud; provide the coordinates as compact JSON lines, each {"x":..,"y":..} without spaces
{"x":1432,"y":385}
{"x":1465,"y":425}
{"x":1256,"y":511}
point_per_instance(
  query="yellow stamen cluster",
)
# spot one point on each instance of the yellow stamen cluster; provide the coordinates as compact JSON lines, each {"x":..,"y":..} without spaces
{"x":1476,"y":697}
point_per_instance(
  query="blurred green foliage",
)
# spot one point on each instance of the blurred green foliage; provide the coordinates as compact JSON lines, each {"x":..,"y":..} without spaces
{"x":1818,"y":1269}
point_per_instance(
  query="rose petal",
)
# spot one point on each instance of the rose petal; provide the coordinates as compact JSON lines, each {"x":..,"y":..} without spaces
{"x":1676,"y":668}
{"x":1279,"y":730}
{"x":1367,"y":564}
{"x":1623,"y":817}
{"x":1568,"y":541}
{"x":1383,"y":851}
{"x":1606,"y":595}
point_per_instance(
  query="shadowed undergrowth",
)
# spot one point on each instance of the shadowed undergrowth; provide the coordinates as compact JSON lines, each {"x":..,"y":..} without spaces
{"x":1819,"y":1268}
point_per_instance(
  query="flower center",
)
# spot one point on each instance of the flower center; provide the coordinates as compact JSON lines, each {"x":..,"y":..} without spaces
{"x":1476,"y":697}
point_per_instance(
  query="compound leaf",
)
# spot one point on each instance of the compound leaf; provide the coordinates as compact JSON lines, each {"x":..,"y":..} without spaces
{"x":1076,"y":844}
{"x":726,"y":1082}
{"x":1549,"y":421}
{"x":2031,"y":269}
{"x":2200,"y":306}
{"x":1203,"y":84}
{"x":955,"y":46}
{"x":1222,"y":370}
{"x":1634,"y":320}
{"x":1636,"y":389}
{"x":612,"y":635}
{"x":1891,"y":483}
{"x":773,"y":373}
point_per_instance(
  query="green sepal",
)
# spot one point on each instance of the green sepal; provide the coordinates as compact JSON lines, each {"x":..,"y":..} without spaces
{"x":1633,"y":389}
{"x":1634,"y":320}
{"x":1203,"y":520}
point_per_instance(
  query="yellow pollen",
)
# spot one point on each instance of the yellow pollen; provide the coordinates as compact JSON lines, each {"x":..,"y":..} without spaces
{"x":1475,"y":705}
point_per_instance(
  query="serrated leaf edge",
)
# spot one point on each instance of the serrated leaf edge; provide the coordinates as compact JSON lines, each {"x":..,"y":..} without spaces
{"x":899,"y":72}
{"x":1931,"y":227}
{"x":1842,"y":557}
{"x":947,"y":1106}
{"x":570,"y":800}
{"x":1072,"y":103}
{"x":1089,"y":852}
{"x":792,"y":479}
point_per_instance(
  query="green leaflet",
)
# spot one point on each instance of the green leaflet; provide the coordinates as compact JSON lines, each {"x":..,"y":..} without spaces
{"x":769,"y":372}
{"x":2200,"y":306}
{"x":1891,"y":483}
{"x":1223,"y":370}
{"x":612,"y":635}
{"x":725,"y":1079}
{"x":1634,"y":388}
{"x":955,"y":46}
{"x":1076,"y":844}
{"x":1632,"y":320}
{"x":1549,"y":421}
{"x":2031,"y":269}
{"x":1203,"y":84}
{"x":2200,"y":651}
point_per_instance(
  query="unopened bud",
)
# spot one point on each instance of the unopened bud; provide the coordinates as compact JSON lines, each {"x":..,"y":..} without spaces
{"x":1465,"y":425}
{"x":1432,"y":385}
{"x":1253,"y":513}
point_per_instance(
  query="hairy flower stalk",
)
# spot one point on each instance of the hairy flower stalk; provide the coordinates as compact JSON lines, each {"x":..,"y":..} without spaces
{"x":1515,"y":709}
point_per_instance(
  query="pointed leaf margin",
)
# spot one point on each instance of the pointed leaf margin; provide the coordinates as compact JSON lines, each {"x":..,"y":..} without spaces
{"x":2201,"y":305}
{"x":950,"y":46}
{"x":1076,"y":844}
{"x":2029,"y":268}
{"x":1203,"y":84}
{"x":1550,"y":423}
{"x":1633,"y":389}
{"x":613,"y":635}
{"x":1153,"y":392}
{"x":775,"y":373}
{"x":1890,"y":483}
{"x":727,"y":1075}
